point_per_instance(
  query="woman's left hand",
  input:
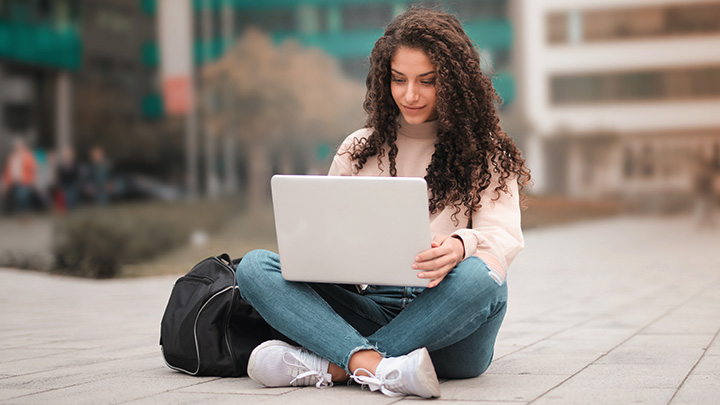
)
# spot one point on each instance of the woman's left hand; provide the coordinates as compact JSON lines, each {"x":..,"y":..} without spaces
{"x":446,"y":252}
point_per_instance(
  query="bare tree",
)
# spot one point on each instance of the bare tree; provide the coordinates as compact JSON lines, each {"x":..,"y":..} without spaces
{"x":281,"y":96}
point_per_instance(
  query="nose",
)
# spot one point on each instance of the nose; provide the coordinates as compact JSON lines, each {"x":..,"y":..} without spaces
{"x":412,"y":95}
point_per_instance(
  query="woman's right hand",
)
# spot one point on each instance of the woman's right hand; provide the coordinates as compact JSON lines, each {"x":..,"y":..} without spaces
{"x":435,"y":263}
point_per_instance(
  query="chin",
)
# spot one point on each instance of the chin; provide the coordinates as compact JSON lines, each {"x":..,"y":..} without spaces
{"x":415,"y":119}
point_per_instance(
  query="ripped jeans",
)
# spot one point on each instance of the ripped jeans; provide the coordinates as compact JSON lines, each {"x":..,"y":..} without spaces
{"x":457,"y":321}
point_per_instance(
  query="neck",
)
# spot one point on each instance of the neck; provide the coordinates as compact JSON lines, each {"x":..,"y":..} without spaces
{"x":426,"y":130}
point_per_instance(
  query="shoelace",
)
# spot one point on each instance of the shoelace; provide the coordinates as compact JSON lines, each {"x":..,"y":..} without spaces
{"x":379,"y":383}
{"x":305,"y":377}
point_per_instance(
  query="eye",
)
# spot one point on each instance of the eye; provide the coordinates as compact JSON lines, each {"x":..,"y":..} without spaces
{"x":398,"y":80}
{"x":428,"y":82}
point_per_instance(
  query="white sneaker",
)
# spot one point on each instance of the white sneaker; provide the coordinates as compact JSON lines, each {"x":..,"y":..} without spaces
{"x":277,"y":364}
{"x":412,"y":374}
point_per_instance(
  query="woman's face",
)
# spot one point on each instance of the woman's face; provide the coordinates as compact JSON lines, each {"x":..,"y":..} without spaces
{"x":412,"y":84}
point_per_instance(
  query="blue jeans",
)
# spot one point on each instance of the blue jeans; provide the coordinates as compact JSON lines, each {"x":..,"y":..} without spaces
{"x":457,"y":321}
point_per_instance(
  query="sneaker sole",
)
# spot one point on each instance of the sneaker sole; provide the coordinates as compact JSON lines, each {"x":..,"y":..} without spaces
{"x":251,"y":360}
{"x":425,"y":374}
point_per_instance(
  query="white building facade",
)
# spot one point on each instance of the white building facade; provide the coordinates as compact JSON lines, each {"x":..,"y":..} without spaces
{"x":622,"y":97}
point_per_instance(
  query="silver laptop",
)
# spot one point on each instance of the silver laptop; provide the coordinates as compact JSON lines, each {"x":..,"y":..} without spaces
{"x":351,"y":229}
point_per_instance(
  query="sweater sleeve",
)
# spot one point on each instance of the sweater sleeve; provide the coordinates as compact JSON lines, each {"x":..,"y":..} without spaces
{"x":496,"y":236}
{"x":342,"y":164}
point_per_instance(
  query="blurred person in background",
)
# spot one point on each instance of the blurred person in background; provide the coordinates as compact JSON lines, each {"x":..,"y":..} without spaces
{"x":19,"y":178}
{"x":68,"y":176}
{"x":704,"y":188}
{"x":45,"y":178}
{"x":431,"y":113}
{"x":98,"y":186}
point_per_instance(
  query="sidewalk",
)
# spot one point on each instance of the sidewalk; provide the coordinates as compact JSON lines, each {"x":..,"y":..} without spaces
{"x":615,"y":311}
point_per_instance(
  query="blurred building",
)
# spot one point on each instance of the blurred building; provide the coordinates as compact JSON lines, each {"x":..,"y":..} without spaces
{"x":348,"y":29}
{"x":40,"y":49}
{"x":623,"y":98}
{"x":79,"y":73}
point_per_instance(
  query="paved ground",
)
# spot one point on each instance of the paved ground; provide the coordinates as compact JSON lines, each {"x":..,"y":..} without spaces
{"x":616,"y":311}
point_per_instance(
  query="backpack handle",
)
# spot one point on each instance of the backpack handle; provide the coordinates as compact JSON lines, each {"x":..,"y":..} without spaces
{"x":226,"y":258}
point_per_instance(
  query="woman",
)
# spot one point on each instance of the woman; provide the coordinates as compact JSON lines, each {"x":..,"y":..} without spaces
{"x":431,"y":114}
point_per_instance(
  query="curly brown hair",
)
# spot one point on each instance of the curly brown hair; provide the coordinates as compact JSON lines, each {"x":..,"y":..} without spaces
{"x":469,"y":135}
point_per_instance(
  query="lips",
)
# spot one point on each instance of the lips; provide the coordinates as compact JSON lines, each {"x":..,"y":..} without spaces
{"x":411,"y":109}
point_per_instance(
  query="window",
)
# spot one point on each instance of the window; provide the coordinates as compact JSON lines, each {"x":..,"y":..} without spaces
{"x":557,"y":28}
{"x":636,"y":23}
{"x":282,"y":20}
{"x":628,"y":163}
{"x":114,"y":21}
{"x":468,"y":10}
{"x":678,"y":84}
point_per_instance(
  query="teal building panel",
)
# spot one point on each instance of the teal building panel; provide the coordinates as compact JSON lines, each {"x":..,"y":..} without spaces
{"x":275,"y":4}
{"x":149,"y":7}
{"x":150,"y":54}
{"x":152,"y":106}
{"x":343,"y":45}
{"x":495,"y":34}
{"x":41,"y":44}
{"x":504,"y":84}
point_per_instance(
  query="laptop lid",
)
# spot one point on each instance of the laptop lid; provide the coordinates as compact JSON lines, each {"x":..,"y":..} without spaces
{"x":351,"y":229}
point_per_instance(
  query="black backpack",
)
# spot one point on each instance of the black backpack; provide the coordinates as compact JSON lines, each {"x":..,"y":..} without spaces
{"x":207,"y":328}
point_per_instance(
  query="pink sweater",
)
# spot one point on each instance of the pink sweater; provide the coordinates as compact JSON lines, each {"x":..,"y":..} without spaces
{"x":496,"y":236}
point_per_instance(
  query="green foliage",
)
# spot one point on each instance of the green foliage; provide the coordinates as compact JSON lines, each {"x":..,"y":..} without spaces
{"x":96,"y":242}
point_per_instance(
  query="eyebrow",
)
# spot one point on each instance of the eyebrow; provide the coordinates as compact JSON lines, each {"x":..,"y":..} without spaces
{"x":420,"y":75}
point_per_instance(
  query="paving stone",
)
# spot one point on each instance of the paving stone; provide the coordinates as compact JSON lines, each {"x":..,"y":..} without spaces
{"x":243,"y":385}
{"x":629,"y":376}
{"x":609,"y":396}
{"x":685,"y":321}
{"x":72,"y":375}
{"x":579,"y":342}
{"x":685,"y":357}
{"x":412,"y":401}
{"x":540,"y":364}
{"x":714,"y":348}
{"x":489,"y":387}
{"x":56,"y":361}
{"x":708,"y":365}
{"x":26,"y":353}
{"x":669,"y":341}
{"x":338,"y":394}
{"x":108,"y":391}
{"x":7,"y":393}
{"x":192,"y":398}
{"x":698,"y":389}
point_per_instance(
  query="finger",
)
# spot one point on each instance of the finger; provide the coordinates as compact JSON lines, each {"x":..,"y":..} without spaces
{"x":434,"y":253}
{"x":429,"y":254}
{"x":435,"y":282}
{"x":436,"y":273}
{"x":434,"y":264}
{"x":431,"y":275}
